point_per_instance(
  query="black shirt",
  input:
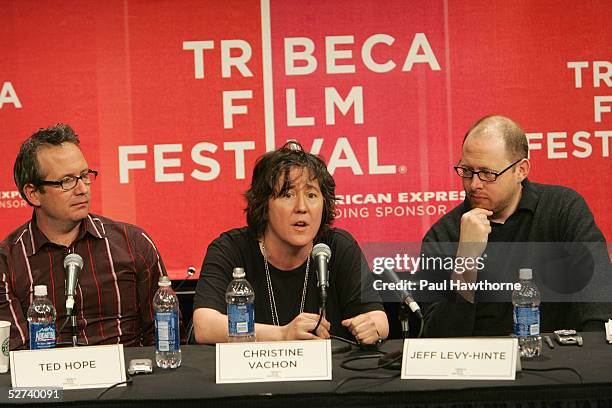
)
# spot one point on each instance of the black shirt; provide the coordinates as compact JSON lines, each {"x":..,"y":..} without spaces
{"x":545,"y":214}
{"x":239,"y":248}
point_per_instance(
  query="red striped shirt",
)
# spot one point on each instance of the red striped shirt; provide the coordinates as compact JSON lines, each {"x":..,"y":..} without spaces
{"x":121,"y":267}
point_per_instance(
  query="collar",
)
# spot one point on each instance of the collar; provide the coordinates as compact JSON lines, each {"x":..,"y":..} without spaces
{"x":38,"y":239}
{"x":529,"y":199}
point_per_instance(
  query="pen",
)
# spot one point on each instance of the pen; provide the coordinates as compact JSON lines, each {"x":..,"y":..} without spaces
{"x":549,"y":342}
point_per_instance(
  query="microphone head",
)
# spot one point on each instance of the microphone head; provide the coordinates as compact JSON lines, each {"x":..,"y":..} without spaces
{"x":73,"y":263}
{"x":73,"y":259}
{"x":321,"y":249}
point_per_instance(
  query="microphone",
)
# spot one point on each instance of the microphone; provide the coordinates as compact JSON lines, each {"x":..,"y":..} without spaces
{"x":73,"y":263}
{"x":406,"y":298}
{"x":321,"y":254}
{"x":190,"y":272}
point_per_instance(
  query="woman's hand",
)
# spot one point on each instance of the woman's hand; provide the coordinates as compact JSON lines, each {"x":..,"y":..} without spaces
{"x":300,"y":328}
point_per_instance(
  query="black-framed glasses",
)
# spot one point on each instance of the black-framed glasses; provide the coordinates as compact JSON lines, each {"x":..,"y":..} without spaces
{"x":484,"y":175}
{"x":70,"y":182}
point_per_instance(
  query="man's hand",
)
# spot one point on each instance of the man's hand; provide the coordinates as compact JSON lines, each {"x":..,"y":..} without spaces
{"x":363,"y":328}
{"x":300,"y":327}
{"x":474,"y":233}
{"x":473,"y":238}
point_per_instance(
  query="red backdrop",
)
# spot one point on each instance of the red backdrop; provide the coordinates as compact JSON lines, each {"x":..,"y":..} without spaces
{"x":383,"y":91}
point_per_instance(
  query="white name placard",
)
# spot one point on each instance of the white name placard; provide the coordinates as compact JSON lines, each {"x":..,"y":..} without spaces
{"x":274,"y":361}
{"x":460,"y":359}
{"x":68,"y":368}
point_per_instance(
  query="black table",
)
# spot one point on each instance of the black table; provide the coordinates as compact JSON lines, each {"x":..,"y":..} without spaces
{"x":193,"y":384}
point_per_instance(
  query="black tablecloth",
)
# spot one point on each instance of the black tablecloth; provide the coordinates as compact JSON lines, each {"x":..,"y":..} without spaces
{"x":193,"y":384}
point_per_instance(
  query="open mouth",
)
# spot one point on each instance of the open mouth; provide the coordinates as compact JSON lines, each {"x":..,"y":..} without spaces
{"x":300,"y":224}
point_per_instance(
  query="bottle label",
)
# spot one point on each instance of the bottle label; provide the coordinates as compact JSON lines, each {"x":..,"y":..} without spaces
{"x":241,"y":319}
{"x":42,"y":335}
{"x":527,"y":321}
{"x":167,"y":329}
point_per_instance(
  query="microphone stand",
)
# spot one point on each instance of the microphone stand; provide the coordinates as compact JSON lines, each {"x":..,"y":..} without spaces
{"x":322,"y":307}
{"x":73,"y":323}
{"x":392,"y":360}
{"x":72,"y":317}
{"x":323,"y":302}
{"x":403,"y":316}
{"x":74,"y":330}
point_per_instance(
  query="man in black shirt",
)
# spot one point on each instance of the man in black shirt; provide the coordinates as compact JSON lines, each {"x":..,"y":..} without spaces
{"x":502,"y":206}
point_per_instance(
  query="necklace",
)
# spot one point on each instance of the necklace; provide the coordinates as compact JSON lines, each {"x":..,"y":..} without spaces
{"x":275,"y":320}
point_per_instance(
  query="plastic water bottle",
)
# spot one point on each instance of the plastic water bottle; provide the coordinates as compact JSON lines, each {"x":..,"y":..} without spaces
{"x":167,"y":330}
{"x":240,"y":309}
{"x":41,"y":319}
{"x":526,"y":302}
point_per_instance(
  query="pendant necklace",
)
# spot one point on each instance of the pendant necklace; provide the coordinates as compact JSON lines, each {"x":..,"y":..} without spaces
{"x":275,"y":320}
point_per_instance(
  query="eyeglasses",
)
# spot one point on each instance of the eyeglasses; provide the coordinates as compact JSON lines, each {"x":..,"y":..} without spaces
{"x":70,"y":182}
{"x":484,"y":175}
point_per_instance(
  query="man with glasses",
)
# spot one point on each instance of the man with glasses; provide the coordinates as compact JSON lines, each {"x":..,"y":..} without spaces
{"x":121,"y":266}
{"x":502,"y":206}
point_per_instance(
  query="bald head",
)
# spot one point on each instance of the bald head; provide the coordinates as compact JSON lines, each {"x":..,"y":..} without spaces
{"x":496,"y":126}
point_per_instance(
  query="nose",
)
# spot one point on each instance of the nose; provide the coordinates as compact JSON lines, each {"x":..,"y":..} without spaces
{"x":300,"y":204}
{"x":475,"y":182}
{"x":81,"y":187}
